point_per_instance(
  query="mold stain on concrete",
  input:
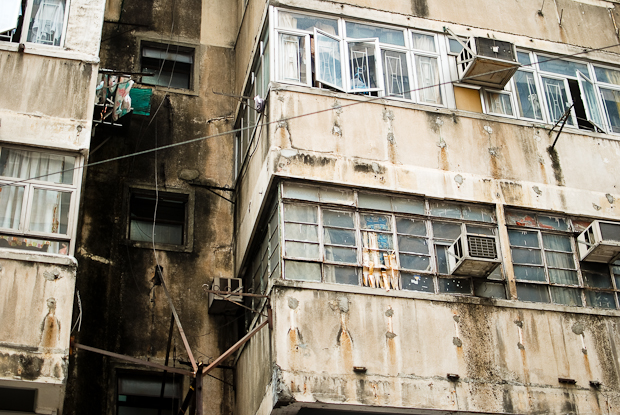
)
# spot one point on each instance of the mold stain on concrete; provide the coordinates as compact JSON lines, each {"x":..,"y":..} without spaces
{"x":419,"y":8}
{"x":555,"y":164}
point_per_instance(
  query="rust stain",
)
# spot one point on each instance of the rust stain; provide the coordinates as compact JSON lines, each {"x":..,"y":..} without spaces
{"x":50,"y":327}
{"x":586,"y":361}
{"x":526,"y":370}
{"x":443,"y":160}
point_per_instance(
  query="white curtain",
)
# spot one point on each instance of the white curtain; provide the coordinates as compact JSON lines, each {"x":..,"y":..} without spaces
{"x":48,"y":22}
{"x":9,"y":14}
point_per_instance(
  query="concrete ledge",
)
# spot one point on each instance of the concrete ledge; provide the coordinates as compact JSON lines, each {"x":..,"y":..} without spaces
{"x":18,"y":255}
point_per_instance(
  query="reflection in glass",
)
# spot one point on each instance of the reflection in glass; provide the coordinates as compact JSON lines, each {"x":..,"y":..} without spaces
{"x":611,"y":100}
{"x":499,"y":103}
{"x":363,"y":31}
{"x":304,"y":22}
{"x":527,"y":95}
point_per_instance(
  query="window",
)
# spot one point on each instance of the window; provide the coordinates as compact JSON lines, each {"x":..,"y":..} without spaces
{"x":161,"y":218}
{"x":547,"y":268}
{"x":167,"y":65}
{"x":45,"y":21}
{"x":139,"y":394}
{"x":18,"y":400}
{"x":37,"y":200}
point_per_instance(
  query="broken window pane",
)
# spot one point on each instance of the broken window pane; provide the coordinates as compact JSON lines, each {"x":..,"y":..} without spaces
{"x":527,"y":95}
{"x":337,"y":196}
{"x":301,"y":250}
{"x":566,"y":296}
{"x":339,"y":236}
{"x":562,"y":276}
{"x":489,"y":290}
{"x":523,"y":238}
{"x":415,"y":282}
{"x":302,"y":271}
{"x":300,"y":21}
{"x":396,"y":74}
{"x":550,"y":222}
{"x":371,"y":201}
{"x":446,"y":230}
{"x":338,"y":218}
{"x":445,"y":210}
{"x":293,"y":191}
{"x":411,"y":226}
{"x":338,"y":254}
{"x":300,"y":232}
{"x":376,"y":222}
{"x":300,"y":213}
{"x":454,"y":285}
{"x":600,"y":299}
{"x":596,"y":275}
{"x":415,"y":262}
{"x":532,"y":292}
{"x":524,"y":273}
{"x":415,"y":206}
{"x":526,"y":256}
{"x":412,"y":244}
{"x":363,"y":31}
{"x":341,"y":275}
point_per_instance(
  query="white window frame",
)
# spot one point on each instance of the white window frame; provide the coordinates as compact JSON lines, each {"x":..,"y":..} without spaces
{"x":26,"y":25}
{"x":377,"y":62}
{"x":604,"y":85}
{"x":279,"y":76}
{"x":319,"y":77}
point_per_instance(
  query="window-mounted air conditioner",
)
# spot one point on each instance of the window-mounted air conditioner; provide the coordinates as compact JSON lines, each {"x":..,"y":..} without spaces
{"x":217,"y":302}
{"x":600,"y":242}
{"x":473,"y":255}
{"x":487,"y":62}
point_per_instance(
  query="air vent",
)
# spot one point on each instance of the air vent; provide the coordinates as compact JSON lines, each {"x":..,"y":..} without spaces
{"x":481,"y":247}
{"x":600,"y":242}
{"x":473,"y":256}
{"x":487,"y":62}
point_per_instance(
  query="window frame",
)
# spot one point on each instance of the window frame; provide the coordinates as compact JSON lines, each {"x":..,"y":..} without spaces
{"x":171,"y":49}
{"x":25,"y":29}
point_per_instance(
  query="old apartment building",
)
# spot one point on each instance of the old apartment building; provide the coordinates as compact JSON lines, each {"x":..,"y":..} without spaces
{"x":49,"y":62}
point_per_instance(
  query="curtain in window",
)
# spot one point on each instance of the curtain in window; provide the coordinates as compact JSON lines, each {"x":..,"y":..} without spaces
{"x":48,"y":22}
{"x":290,"y":60}
{"x":428,"y":79}
{"x":10,"y":11}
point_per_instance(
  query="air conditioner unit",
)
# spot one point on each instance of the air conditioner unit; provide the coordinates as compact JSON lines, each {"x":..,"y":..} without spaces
{"x":600,"y":242}
{"x":473,"y":255}
{"x":487,"y":62}
{"x":217,"y":302}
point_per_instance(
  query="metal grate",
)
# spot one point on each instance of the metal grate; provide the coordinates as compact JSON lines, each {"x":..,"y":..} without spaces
{"x":481,"y":247}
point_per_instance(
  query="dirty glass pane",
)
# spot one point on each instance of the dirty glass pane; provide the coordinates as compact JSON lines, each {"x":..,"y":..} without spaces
{"x":415,"y":206}
{"x":520,"y":219}
{"x":446,"y":230}
{"x":337,"y":196}
{"x":606,"y":75}
{"x":557,"y":242}
{"x":561,"y":66}
{"x":362,"y":31}
{"x":562,"y":276}
{"x":302,"y":271}
{"x":274,"y":260}
{"x":375,"y":240}
{"x":396,"y":74}
{"x":429,"y":83}
{"x":610,"y":231}
{"x":301,"y":232}
{"x":363,"y":66}
{"x":273,"y":224}
{"x":497,"y":274}
{"x":498,"y":103}
{"x":414,"y":282}
{"x":528,"y":97}
{"x":341,"y":275}
{"x":415,"y":262}
{"x":299,"y":21}
{"x":338,"y":254}
{"x":557,"y":100}
{"x":334,"y":236}
{"x":523,"y":273}
{"x":549,"y":222}
{"x":338,"y":218}
{"x":480,"y":230}
{"x":478,"y":213}
{"x":442,"y":258}
{"x":412,"y":244}
{"x":423,"y":42}
{"x":300,"y":213}
{"x":276,"y":272}
{"x":566,"y":296}
{"x":531,"y":292}
{"x":376,"y":222}
{"x":560,"y":260}
{"x":526,"y":256}
{"x":50,"y":214}
{"x":454,"y":286}
{"x":524,"y":58}
{"x":489,"y":290}
{"x":293,"y":58}
{"x":445,"y":210}
{"x":600,"y":299}
{"x":11,"y":201}
{"x":372,"y":201}
{"x":596,"y":275}
{"x":293,"y":191}
{"x":523,"y":238}
{"x":611,"y":101}
{"x":301,"y":250}
{"x":385,"y":241}
{"x":411,"y":226}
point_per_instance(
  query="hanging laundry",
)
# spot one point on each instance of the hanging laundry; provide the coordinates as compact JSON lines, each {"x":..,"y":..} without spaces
{"x":122,"y":101}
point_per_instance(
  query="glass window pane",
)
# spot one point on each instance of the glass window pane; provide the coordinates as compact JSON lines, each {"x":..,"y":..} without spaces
{"x":37,"y":245}
{"x":562,"y":276}
{"x":301,"y":250}
{"x":526,"y":256}
{"x":523,"y":238}
{"x":480,"y":230}
{"x":299,"y":21}
{"x":596,"y":275}
{"x":499,"y":103}
{"x":611,"y":101}
{"x":566,"y":296}
{"x":415,"y":262}
{"x":414,"y":282}
{"x":524,"y":273}
{"x":445,"y":210}
{"x":424,"y":42}
{"x":550,"y":222}
{"x":520,"y":219}
{"x":333,"y":236}
{"x":610,"y":231}
{"x":338,"y":254}
{"x":373,"y":201}
{"x":362,"y":31}
{"x":293,"y":191}
{"x":524,"y":58}
{"x":412,"y":244}
{"x":560,"y":260}
{"x":591,"y":100}
{"x":338,"y":218}
{"x":479,"y":213}
{"x":600,"y":299}
{"x":302,"y":271}
{"x":454,"y":286}
{"x":375,"y":240}
{"x":557,"y":100}
{"x":455,"y":46}
{"x":362,"y":66}
{"x":489,"y":290}
{"x":46,"y":22}
{"x":532,"y":292}
{"x":376,"y":222}
{"x":609,"y":76}
{"x":165,"y":233}
{"x":396,"y":74}
{"x":557,"y":242}
{"x":337,"y":196}
{"x":299,"y":232}
{"x":446,"y":230}
{"x":11,"y":200}
{"x":527,"y":95}
{"x":427,"y":71}
{"x":411,"y":226}
{"x":442,"y":258}
{"x":274,"y":260}
{"x":50,"y":211}
{"x":328,"y":64}
{"x":341,"y":275}
{"x":300,"y":213}
{"x":293,"y":58}
{"x":26,"y":164}
{"x":415,"y":206}
{"x":561,"y":66}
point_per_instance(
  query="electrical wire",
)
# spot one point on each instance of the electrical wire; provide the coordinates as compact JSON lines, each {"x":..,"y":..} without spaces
{"x":293,"y":117}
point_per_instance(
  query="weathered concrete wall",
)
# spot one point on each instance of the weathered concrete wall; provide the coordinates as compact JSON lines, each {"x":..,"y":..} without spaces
{"x":84,"y":26}
{"x":249,"y":31}
{"x":36,"y":305}
{"x":508,"y":355}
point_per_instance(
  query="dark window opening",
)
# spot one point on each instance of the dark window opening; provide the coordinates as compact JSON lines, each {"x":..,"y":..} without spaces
{"x":19,"y":400}
{"x":139,"y":394}
{"x":580,"y":110}
{"x":168,"y":226}
{"x":167,"y":65}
